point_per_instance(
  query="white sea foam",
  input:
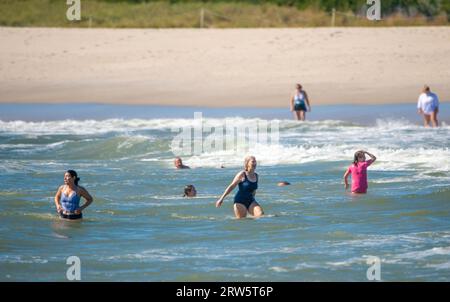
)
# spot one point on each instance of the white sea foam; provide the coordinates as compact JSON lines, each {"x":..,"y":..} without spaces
{"x":348,"y":262}
{"x":406,"y":159}
{"x":21,"y":259}
{"x":386,"y":240}
{"x":363,"y":261}
{"x":425,"y":253}
{"x":439,"y":266}
{"x":33,"y":147}
{"x":279,"y":269}
{"x":83,"y":127}
{"x":399,"y":145}
{"x":297,"y":267}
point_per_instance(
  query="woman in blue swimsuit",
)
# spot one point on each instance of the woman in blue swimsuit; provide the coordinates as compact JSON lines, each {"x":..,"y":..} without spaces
{"x":67,"y":199}
{"x":244,"y":200}
{"x":299,"y":102}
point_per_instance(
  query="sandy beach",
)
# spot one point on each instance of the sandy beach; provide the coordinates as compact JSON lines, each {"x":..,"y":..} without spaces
{"x":222,"y":67}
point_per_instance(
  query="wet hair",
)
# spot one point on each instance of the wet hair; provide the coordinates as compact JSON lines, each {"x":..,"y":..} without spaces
{"x":74,"y":175}
{"x":188,"y":189}
{"x":355,"y":158}
{"x":246,"y":160}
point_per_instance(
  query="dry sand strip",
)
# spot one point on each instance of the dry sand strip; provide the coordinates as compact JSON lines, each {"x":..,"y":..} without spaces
{"x":223,"y":67}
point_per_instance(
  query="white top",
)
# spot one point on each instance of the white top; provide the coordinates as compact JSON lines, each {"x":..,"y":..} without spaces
{"x":299,"y":97}
{"x":428,"y":102}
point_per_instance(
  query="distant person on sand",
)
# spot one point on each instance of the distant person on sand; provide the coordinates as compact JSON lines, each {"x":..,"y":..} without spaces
{"x":190,"y":191}
{"x":358,"y":171}
{"x":179,"y":163}
{"x":244,"y":200}
{"x":428,"y":106}
{"x":67,"y":199}
{"x":300,"y":103}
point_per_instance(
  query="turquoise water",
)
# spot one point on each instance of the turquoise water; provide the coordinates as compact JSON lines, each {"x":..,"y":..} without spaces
{"x":139,"y":228}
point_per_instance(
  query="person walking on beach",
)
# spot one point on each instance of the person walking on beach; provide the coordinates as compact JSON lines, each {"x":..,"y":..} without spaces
{"x":179,"y":163}
{"x":428,"y":106}
{"x":67,"y":198}
{"x":358,"y":171}
{"x":299,"y":103}
{"x":244,"y":200}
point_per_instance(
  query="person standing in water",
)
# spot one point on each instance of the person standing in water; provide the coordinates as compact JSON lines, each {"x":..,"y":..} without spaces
{"x":67,"y":198}
{"x":358,"y":171}
{"x":244,"y":200}
{"x":300,"y":103}
{"x":428,"y":106}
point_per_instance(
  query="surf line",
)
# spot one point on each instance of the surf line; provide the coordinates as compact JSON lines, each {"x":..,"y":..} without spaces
{"x":196,"y":292}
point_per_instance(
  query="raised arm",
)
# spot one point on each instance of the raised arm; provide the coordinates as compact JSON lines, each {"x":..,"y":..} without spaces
{"x":346,"y":178}
{"x":57,"y":199}
{"x":83,"y":192}
{"x":237,"y":179}
{"x":372,"y":157}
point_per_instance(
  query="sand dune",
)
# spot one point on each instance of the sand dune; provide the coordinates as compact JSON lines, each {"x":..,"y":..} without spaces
{"x":223,"y":67}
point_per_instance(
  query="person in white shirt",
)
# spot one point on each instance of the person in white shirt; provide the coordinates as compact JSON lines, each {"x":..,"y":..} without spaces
{"x":428,"y":106}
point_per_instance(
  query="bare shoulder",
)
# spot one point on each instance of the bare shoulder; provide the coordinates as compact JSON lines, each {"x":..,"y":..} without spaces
{"x":82,"y":189}
{"x":240,"y":174}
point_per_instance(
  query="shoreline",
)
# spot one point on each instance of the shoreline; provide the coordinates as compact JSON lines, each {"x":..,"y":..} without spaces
{"x":362,"y":114}
{"x":217,"y":68}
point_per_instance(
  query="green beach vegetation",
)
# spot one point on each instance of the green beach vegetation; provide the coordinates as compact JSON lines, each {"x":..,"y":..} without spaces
{"x":222,"y":14}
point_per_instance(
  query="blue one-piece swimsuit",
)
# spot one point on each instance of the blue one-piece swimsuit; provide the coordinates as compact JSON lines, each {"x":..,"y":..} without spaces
{"x":245,"y":194}
{"x":70,"y":204}
{"x":299,"y":102}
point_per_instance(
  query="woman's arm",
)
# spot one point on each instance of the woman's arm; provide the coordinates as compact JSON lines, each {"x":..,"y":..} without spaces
{"x":57,"y":199}
{"x":307,"y":101}
{"x":372,"y":157}
{"x":345,"y":178}
{"x":419,"y":105}
{"x":436,"y":103}
{"x":84,"y":193}
{"x":292,"y":102}
{"x":237,"y":179}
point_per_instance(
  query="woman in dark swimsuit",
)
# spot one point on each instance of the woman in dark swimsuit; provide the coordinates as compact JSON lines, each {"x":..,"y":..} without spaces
{"x":300,"y":103}
{"x":244,"y":200}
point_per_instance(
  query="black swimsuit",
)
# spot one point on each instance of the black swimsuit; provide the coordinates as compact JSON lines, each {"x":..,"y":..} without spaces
{"x":245,"y":194}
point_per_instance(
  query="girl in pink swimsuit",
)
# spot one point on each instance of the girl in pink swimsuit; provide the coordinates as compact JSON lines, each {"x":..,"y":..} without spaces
{"x":358,"y":170}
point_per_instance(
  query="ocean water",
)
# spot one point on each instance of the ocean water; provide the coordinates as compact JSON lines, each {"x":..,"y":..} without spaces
{"x":140,"y":228}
